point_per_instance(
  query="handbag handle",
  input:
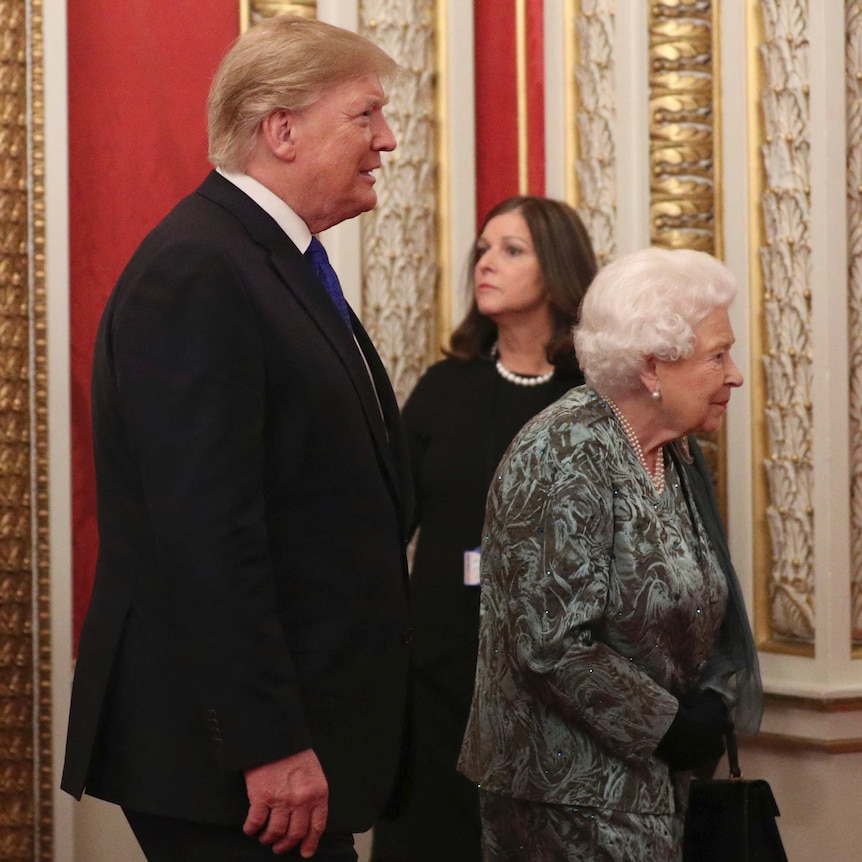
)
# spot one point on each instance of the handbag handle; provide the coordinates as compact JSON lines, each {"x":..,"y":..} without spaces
{"x":732,"y":755}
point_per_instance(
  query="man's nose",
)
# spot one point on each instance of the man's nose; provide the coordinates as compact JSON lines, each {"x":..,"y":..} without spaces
{"x":384,"y":137}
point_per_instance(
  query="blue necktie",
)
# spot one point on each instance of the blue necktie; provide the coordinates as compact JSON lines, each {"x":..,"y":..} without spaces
{"x":318,"y":258}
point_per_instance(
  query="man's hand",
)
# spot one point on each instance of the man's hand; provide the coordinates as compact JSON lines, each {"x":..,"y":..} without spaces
{"x":290,"y":798}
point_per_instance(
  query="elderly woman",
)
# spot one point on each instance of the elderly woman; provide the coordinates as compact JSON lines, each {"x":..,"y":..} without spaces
{"x":614,"y":646}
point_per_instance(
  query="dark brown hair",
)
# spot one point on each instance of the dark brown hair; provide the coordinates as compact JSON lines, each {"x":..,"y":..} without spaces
{"x":567,"y":263}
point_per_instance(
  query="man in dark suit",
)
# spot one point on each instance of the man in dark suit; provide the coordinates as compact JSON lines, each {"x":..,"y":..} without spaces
{"x":242,"y":671}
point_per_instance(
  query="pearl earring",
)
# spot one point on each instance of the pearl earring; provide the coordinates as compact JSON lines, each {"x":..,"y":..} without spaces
{"x":656,"y":394}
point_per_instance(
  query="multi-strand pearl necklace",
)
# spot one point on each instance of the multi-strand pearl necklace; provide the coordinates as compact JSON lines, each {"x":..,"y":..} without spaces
{"x":656,"y":475}
{"x":519,"y":379}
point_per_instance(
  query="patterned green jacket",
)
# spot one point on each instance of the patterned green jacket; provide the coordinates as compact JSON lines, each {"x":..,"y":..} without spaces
{"x":600,"y":602}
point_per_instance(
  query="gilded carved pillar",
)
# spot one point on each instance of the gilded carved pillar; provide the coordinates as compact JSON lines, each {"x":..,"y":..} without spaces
{"x":26,"y":773}
{"x":684,"y":108}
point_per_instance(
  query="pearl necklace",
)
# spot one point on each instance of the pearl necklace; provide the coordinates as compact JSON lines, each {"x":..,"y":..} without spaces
{"x":519,"y":379}
{"x":657,"y":475}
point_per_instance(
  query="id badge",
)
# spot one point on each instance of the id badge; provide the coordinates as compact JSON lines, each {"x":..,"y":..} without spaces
{"x":472,"y":560}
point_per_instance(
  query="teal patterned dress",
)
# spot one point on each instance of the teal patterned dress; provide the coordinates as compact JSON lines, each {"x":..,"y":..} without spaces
{"x":600,"y":602}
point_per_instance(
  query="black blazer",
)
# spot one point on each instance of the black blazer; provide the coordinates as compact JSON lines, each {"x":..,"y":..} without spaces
{"x":250,"y":592}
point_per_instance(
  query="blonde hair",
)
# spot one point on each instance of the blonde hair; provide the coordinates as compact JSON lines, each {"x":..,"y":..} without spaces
{"x":283,"y":63}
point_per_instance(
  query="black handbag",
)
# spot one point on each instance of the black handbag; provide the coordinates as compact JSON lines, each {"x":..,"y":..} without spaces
{"x":731,"y":819}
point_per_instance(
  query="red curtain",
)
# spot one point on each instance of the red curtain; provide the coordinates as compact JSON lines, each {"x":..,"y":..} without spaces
{"x":497,"y":121}
{"x":139,"y":73}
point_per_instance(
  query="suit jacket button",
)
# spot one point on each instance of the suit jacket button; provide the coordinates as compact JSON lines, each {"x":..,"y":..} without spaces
{"x":407,"y":637}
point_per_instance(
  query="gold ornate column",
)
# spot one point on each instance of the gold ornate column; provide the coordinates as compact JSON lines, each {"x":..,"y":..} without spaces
{"x":684,"y":111}
{"x":26,"y":775}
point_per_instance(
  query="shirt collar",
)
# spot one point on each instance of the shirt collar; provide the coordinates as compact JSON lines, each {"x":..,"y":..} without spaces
{"x":295,"y":228}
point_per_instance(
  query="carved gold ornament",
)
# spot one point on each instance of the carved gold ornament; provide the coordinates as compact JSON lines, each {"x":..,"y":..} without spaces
{"x":683,"y":141}
{"x":26,"y":774}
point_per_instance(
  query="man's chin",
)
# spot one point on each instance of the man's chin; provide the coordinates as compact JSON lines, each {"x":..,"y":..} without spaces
{"x":370,"y":201}
{"x":367,"y":203}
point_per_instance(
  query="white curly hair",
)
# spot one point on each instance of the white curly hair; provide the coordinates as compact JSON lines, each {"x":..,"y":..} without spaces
{"x":643,"y":304}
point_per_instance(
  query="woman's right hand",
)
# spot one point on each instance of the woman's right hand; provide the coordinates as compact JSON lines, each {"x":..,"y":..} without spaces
{"x":696,"y":735}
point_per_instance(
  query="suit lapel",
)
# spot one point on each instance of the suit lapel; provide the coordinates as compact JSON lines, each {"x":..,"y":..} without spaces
{"x":299,"y":277}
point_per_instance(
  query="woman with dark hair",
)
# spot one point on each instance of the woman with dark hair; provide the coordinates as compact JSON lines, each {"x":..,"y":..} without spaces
{"x":560,"y":262}
{"x":510,"y":358}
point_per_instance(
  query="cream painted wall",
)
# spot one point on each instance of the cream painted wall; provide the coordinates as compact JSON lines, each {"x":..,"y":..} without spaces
{"x":102,"y":833}
{"x":818,"y":795}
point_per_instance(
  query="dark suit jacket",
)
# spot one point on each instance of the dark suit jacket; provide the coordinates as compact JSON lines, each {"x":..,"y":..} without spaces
{"x":250,"y":593}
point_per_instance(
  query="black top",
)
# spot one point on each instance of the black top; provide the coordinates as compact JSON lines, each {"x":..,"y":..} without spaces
{"x":459,"y":420}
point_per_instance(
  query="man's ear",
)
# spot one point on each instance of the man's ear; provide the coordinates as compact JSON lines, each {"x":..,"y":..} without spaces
{"x":649,"y":375}
{"x":278,"y":133}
